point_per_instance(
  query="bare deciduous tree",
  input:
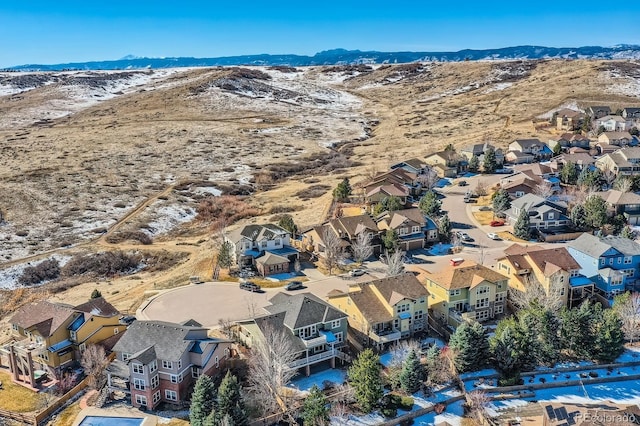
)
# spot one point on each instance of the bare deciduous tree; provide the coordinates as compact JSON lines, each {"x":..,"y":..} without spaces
{"x":608,"y":175}
{"x":361,"y":247}
{"x":428,"y":179}
{"x":400,"y":350}
{"x":628,"y":308}
{"x":333,"y":251}
{"x":477,"y":402}
{"x":482,"y":188}
{"x":94,"y":361}
{"x":395,"y":263}
{"x":623,"y":184}
{"x":543,"y":190}
{"x":269,"y":371}
{"x":534,"y":291}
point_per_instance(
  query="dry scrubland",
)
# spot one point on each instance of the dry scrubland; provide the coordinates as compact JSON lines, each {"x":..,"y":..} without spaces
{"x":135,"y":153}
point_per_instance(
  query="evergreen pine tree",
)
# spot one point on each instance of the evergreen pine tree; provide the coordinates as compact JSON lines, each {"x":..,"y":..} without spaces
{"x":627,"y":232}
{"x":490,"y":163}
{"x":609,"y":337}
{"x":474,"y":164}
{"x":444,"y":228}
{"x":557,"y":149}
{"x":578,"y":217}
{"x":212,"y":419}
{"x":230,"y":401}
{"x":569,"y":173}
{"x":471,"y":346}
{"x":501,"y":201}
{"x":225,"y":255}
{"x":315,"y":410}
{"x":96,"y":294}
{"x":576,"y":330}
{"x":286,"y":222}
{"x":430,"y":204}
{"x":521,"y":229}
{"x":412,"y":373}
{"x":202,"y":400}
{"x":342,"y":191}
{"x":539,"y":327}
{"x":390,"y":239}
{"x":505,"y":354}
{"x":364,"y":376}
{"x":595,"y":211}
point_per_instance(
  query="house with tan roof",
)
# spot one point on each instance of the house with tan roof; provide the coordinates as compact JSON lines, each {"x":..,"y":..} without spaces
{"x":569,"y":119}
{"x":347,"y":229}
{"x":622,"y":203}
{"x":569,"y":140}
{"x":625,"y":161}
{"x":447,"y":163}
{"x":412,"y":227}
{"x":620,"y":139}
{"x":50,"y":336}
{"x":466,"y":292}
{"x":554,"y":268}
{"x":520,"y":184}
{"x":412,"y":165}
{"x":478,"y":150}
{"x":580,"y":159}
{"x":383,"y":311}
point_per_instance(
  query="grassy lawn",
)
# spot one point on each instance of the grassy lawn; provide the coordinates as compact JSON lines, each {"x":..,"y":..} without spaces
{"x":508,"y":236}
{"x":484,"y":218}
{"x":68,"y":415}
{"x":17,"y":398}
{"x":177,"y":422}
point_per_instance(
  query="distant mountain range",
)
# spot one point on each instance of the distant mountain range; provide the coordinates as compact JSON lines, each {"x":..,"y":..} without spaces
{"x":343,"y":57}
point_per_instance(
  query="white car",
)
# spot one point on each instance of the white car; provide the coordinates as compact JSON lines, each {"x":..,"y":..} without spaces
{"x":493,"y":236}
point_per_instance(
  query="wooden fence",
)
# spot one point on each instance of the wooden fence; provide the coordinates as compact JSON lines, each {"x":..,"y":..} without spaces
{"x":44,"y":414}
{"x":27,"y":418}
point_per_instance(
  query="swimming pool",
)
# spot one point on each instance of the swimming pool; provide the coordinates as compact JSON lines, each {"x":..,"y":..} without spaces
{"x":111,"y":421}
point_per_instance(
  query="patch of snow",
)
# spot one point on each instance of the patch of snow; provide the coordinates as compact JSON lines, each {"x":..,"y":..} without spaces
{"x":567,"y":105}
{"x":167,"y":218}
{"x":208,"y":190}
{"x":452,"y":415}
{"x":333,"y":375}
{"x":9,"y":276}
{"x":498,"y":87}
{"x":366,"y":420}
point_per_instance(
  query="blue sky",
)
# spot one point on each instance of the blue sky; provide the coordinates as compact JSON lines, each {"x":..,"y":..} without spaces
{"x":45,"y":32}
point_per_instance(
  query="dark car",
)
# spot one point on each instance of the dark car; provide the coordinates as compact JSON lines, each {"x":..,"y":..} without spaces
{"x":462,"y":183}
{"x":248,"y":285}
{"x":293,"y":285}
{"x":127,"y":319}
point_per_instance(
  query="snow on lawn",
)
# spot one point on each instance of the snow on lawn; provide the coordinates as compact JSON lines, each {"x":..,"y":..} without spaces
{"x":631,"y":354}
{"x":167,"y":218}
{"x":366,"y":420}
{"x":333,"y":375}
{"x":439,"y":249}
{"x":452,"y":415}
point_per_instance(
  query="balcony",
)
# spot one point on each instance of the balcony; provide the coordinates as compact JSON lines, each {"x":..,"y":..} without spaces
{"x":315,"y":341}
{"x":313,"y":359}
{"x":387,"y":336}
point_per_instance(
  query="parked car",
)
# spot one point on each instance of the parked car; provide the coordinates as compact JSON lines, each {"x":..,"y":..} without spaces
{"x":467,"y":199}
{"x":493,"y":236}
{"x":248,"y":285}
{"x":293,"y":285}
{"x":463,"y":236}
{"x":127,"y":319}
{"x":496,"y":223}
{"x":357,"y":272}
{"x":462,"y":183}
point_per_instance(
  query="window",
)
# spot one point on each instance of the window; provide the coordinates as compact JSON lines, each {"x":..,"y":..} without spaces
{"x":519,"y":194}
{"x":455,"y":292}
{"x":217,"y":362}
{"x":550,"y":215}
{"x":138,"y":368}
{"x":116,"y":330}
{"x":263,"y":244}
{"x":561,"y":278}
{"x":574,"y":273}
{"x":403,"y":308}
{"x":171,"y":395}
{"x":82,"y":347}
{"x":562,"y":291}
{"x":278,"y":241}
{"x":616,"y":280}
{"x":499,"y":297}
{"x":155,"y":381}
{"x":125,"y":356}
{"x":139,"y":384}
{"x":482,"y":290}
{"x":174,"y":378}
{"x":421,"y":300}
{"x":396,"y":323}
{"x":45,"y":355}
{"x":482,"y":315}
{"x":141,"y":400}
{"x":619,"y":260}
{"x":415,"y":229}
{"x":308,"y":332}
{"x":335,"y":324}
{"x":179,"y":364}
{"x":601,"y":261}
{"x":402,"y":231}
{"x":195,"y":372}
{"x":73,"y":335}
{"x":156,"y":397}
{"x":153,"y":366}
{"x":499,"y":309}
{"x":15,"y":327}
{"x":627,"y":260}
{"x":629,"y":272}
{"x":611,"y":261}
{"x":167,"y":364}
{"x":418,"y":315}
{"x":482,"y":303}
{"x":339,"y":338}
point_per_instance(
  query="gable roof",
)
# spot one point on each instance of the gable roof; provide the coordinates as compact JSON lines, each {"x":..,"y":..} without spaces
{"x":393,"y":189}
{"x":617,"y":135}
{"x":398,"y":217}
{"x":527,"y":143}
{"x":415,"y":163}
{"x":536,"y":169}
{"x":517,"y":180}
{"x":557,"y":256}
{"x":98,"y":307}
{"x":615,"y":197}
{"x":169,"y":340}
{"x":252,"y":232}
{"x":45,"y":317}
{"x":590,"y":245}
{"x":465,"y":276}
{"x":351,"y":225}
{"x":595,"y":109}
{"x":302,"y":310}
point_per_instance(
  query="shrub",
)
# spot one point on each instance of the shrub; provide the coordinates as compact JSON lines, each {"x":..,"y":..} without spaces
{"x":224,"y":210}
{"x":314,"y":191}
{"x":43,"y":271}
{"x":104,"y":264}
{"x":139,"y":236}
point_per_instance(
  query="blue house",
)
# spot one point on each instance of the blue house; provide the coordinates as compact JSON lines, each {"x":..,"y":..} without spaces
{"x":611,"y":262}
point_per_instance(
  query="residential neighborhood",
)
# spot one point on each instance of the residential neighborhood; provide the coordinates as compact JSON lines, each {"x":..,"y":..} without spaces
{"x":458,"y":274}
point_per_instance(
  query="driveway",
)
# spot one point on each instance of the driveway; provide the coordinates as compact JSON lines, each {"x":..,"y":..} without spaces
{"x":211,"y":302}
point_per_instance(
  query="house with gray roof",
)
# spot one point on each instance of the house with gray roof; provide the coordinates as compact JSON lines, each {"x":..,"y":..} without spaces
{"x":159,"y":361}
{"x":598,"y":111}
{"x":622,"y":203}
{"x":265,"y":247}
{"x":533,"y":147}
{"x":478,"y":150}
{"x":543,"y":214}
{"x":625,"y":161}
{"x":631,"y":113}
{"x":316,"y":330}
{"x":611,"y":262}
